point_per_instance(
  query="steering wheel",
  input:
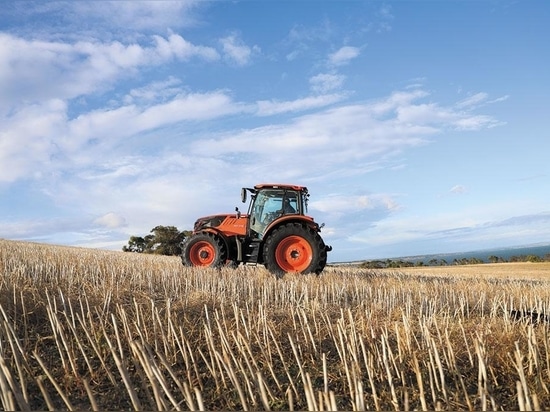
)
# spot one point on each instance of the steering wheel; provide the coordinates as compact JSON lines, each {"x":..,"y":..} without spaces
{"x":270,"y":217}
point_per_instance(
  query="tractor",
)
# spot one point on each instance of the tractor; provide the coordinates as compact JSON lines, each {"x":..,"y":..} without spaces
{"x":276,"y":232}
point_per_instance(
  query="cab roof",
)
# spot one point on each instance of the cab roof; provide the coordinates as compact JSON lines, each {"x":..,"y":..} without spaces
{"x":280,"y":186}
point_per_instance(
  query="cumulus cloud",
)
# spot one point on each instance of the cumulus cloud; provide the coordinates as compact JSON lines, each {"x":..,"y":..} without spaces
{"x":42,"y":139}
{"x":343,"y":55}
{"x":69,"y":70}
{"x":236,"y":51}
{"x":177,"y":46}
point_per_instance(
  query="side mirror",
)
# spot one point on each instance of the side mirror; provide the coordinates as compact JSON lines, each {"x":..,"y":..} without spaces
{"x":243,"y":195}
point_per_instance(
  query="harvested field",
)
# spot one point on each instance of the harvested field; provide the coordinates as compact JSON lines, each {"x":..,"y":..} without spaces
{"x":94,"y":330}
{"x":514,"y":270}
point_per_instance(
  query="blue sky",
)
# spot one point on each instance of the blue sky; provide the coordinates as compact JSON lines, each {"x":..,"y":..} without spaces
{"x":419,"y":126}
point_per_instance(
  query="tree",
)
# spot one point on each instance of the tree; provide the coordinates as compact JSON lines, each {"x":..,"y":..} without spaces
{"x":163,"y":240}
{"x":373,"y":264}
{"x":496,"y":259}
{"x":136,"y":244}
{"x":166,"y":240}
{"x":533,"y":258}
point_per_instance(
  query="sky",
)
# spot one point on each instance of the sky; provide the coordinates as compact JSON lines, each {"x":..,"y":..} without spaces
{"x":419,"y":126}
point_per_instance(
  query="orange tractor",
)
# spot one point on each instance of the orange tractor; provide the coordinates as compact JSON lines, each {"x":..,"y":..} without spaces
{"x":276,"y":232}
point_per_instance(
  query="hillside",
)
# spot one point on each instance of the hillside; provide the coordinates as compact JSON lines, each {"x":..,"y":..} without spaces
{"x":90,"y":329}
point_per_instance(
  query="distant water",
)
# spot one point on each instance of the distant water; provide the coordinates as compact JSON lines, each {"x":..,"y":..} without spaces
{"x":505,"y":253}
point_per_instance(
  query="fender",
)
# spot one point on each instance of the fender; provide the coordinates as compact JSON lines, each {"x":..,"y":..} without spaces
{"x":292,"y":218}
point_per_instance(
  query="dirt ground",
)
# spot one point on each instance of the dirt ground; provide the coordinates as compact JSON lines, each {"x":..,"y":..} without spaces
{"x":520,"y":270}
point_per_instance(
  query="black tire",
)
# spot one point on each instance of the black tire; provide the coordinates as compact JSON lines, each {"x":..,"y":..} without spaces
{"x":295,"y":247}
{"x":203,"y":250}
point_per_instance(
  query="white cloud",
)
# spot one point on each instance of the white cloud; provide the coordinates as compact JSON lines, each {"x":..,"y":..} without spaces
{"x":236,"y":51}
{"x":41,"y":139}
{"x":146,"y":14}
{"x":326,"y":82}
{"x":458,"y":189}
{"x":126,"y":15}
{"x":348,"y":133}
{"x":475,"y":122}
{"x":433,"y":113}
{"x":344,"y":204}
{"x":111,"y":221}
{"x":177,"y":46}
{"x":499,"y":99}
{"x":155,"y":91}
{"x":146,"y":191}
{"x":343,"y":55}
{"x":478,"y":100}
{"x":267,"y":108}
{"x":27,"y":145}
{"x":472,"y":100}
{"x":68,"y":70}
{"x":350,"y":214}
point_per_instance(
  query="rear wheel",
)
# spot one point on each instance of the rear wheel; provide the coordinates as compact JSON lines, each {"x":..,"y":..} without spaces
{"x":295,"y":248}
{"x":204,"y":250}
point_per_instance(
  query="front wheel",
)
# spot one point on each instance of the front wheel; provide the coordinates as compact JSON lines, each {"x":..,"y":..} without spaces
{"x":295,"y":248}
{"x":203,"y":250}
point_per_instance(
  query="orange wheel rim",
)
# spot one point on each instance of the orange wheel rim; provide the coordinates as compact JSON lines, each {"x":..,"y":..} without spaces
{"x":202,"y":254}
{"x":293,"y":254}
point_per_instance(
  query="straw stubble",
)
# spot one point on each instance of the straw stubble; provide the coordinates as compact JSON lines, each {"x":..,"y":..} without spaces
{"x":91,"y":329}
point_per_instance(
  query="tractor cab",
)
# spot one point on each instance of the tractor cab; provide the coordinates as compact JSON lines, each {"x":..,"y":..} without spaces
{"x":270,"y":202}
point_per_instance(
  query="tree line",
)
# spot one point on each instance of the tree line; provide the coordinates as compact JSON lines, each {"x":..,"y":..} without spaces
{"x":161,"y":240}
{"x":400,"y":263}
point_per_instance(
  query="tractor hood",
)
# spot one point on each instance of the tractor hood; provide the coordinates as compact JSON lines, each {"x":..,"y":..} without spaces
{"x":209,"y":221}
{"x":214,"y":221}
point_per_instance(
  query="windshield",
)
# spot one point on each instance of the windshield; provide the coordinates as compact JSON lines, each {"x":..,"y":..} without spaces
{"x":270,"y":204}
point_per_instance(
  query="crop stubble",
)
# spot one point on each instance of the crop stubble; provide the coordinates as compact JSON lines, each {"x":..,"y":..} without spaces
{"x":91,"y":329}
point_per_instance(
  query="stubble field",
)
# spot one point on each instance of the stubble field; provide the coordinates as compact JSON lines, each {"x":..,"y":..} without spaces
{"x":94,"y":330}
